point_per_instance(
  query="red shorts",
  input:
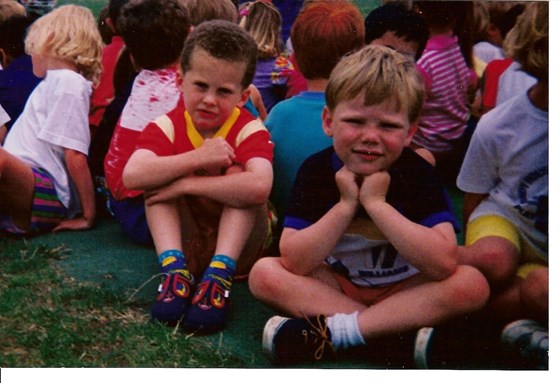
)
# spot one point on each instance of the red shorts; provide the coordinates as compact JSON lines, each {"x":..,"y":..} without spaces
{"x":367,"y":295}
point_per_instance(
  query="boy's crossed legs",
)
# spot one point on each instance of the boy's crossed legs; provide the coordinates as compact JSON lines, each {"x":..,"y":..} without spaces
{"x":412,"y":304}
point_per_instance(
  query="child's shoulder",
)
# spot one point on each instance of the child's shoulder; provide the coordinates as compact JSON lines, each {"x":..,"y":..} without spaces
{"x":67,"y":80}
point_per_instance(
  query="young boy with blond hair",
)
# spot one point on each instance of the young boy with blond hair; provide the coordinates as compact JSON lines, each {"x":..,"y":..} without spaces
{"x":368,"y":247}
{"x":207,"y":173}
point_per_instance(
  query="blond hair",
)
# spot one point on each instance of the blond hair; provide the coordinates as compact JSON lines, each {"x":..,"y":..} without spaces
{"x":381,"y":74}
{"x":200,"y":11}
{"x":527,"y":42}
{"x":263,"y":21}
{"x":68,"y":33}
{"x":9,"y":8}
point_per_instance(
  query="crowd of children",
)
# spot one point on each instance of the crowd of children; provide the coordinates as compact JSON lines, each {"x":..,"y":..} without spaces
{"x":199,"y":124}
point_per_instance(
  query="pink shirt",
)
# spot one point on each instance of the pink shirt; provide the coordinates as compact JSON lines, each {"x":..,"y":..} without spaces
{"x":446,"y":108}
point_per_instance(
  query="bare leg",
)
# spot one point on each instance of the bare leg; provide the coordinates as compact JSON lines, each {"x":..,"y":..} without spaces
{"x":165,"y":225}
{"x":17,"y":186}
{"x":496,"y":257}
{"x":421,"y":303}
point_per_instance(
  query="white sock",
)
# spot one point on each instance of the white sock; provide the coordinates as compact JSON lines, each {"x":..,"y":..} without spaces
{"x":345,"y":332}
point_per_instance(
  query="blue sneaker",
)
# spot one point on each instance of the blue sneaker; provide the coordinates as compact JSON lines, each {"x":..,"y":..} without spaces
{"x":173,"y":300}
{"x":210,"y":304}
{"x":291,"y":341}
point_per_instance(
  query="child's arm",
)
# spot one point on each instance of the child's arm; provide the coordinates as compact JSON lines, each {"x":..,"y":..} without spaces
{"x":430,"y":250}
{"x":78,"y":169}
{"x":302,"y":251}
{"x":145,"y":170}
{"x":249,"y":187}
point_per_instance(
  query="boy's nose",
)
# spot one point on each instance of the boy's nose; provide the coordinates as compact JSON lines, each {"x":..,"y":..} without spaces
{"x":209,"y":98}
{"x":370,"y":135}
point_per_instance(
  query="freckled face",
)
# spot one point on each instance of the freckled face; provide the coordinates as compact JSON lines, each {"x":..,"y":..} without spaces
{"x":212,"y":89}
{"x":367,"y":139}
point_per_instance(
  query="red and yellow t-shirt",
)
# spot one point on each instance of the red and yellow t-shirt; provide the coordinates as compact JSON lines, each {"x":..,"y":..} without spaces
{"x":174,"y":133}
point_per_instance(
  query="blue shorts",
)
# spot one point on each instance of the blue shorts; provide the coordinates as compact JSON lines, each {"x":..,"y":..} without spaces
{"x":131,"y":215}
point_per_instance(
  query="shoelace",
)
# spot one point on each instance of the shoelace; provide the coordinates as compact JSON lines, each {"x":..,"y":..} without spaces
{"x":320,"y":332}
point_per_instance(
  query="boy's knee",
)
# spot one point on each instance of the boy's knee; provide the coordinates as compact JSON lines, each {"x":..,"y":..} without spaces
{"x":498,"y":259}
{"x":534,"y":290}
{"x":264,"y":277}
{"x":470,"y":290}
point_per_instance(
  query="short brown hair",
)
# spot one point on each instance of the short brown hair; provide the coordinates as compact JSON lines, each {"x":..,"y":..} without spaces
{"x":323,"y":32}
{"x":223,"y":40}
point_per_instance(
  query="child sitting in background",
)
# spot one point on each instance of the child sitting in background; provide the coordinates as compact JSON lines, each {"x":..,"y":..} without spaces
{"x":446,"y":66}
{"x":263,"y":22}
{"x":206,"y":170}
{"x":44,"y":177}
{"x":17,"y":80}
{"x":104,"y":92}
{"x":397,"y":27}
{"x":154,"y":32}
{"x":505,"y":178}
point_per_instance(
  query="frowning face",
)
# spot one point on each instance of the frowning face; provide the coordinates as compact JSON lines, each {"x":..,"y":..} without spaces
{"x":212,"y":89}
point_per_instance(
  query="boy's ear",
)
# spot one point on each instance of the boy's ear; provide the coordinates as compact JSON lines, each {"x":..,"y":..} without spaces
{"x":244,"y":97}
{"x":411,"y":131}
{"x":327,"y":122}
{"x":179,"y":78}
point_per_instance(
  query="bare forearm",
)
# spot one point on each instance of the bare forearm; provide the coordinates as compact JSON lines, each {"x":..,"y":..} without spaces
{"x":236,"y":190}
{"x":81,"y":176}
{"x":431,"y":250}
{"x":304,"y":250}
{"x":145,"y":170}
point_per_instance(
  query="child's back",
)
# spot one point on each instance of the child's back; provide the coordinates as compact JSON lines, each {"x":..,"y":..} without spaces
{"x":155,"y":44}
{"x":446,"y":65}
{"x":154,"y":32}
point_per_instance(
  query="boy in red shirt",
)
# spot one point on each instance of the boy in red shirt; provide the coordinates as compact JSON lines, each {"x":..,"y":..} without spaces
{"x":207,"y":173}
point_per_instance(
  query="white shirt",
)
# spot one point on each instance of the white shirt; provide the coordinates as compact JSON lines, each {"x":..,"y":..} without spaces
{"x":55,"y":118}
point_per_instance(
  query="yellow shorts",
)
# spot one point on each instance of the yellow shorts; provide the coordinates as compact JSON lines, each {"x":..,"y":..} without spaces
{"x":497,"y":226}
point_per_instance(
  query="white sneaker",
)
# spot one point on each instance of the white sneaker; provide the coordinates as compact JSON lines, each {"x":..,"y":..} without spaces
{"x":422,"y":345}
{"x":529,"y":339}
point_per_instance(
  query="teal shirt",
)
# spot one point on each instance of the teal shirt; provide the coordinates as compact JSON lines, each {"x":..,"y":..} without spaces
{"x":295,"y":127}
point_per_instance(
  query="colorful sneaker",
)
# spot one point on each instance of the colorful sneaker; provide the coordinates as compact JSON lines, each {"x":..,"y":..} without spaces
{"x":529,"y":339}
{"x":291,"y":341}
{"x":173,"y":300}
{"x":210,"y":304}
{"x":422,"y":347}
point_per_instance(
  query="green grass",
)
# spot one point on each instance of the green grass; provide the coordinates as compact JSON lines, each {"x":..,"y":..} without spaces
{"x":50,"y":320}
